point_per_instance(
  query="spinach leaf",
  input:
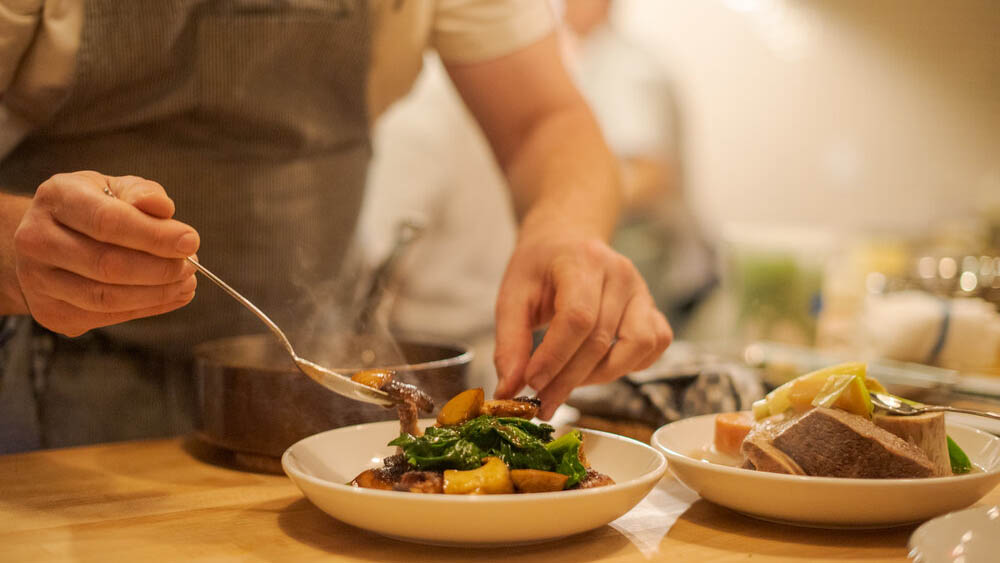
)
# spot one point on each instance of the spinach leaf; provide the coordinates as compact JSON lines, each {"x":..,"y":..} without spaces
{"x":541,"y":431}
{"x":440,"y":448}
{"x":566,"y":450}
{"x":518,"y":442}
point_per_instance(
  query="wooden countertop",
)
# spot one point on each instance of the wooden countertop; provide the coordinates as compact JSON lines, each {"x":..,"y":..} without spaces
{"x":161,"y":501}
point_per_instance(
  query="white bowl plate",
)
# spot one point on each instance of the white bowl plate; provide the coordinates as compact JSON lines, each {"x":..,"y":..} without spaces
{"x":966,"y":536}
{"x":827,"y":502}
{"x":322,"y":464}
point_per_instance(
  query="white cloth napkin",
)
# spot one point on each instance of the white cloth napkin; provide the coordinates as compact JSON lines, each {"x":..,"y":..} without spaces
{"x":915,"y":326}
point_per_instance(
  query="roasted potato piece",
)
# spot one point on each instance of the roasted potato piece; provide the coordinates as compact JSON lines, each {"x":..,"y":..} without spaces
{"x":492,"y":478}
{"x":374,"y":378}
{"x":511,"y":407}
{"x":377,"y":478}
{"x":537,"y":481}
{"x":464,"y":406}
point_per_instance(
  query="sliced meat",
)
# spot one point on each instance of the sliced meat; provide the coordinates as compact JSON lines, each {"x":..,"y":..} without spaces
{"x":761,"y":454}
{"x":833,"y":443}
{"x":925,"y":431}
{"x":428,"y":482}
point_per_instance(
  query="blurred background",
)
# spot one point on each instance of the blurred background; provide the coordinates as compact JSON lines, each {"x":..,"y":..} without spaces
{"x":807,"y":181}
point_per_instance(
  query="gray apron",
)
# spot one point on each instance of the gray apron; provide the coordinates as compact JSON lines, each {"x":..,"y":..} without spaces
{"x":251,"y":113}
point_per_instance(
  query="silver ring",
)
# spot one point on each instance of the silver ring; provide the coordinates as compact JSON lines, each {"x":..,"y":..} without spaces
{"x":108,"y":191}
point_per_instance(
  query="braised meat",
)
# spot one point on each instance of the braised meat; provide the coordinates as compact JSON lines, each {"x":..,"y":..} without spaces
{"x":763,"y":456}
{"x":833,"y":443}
{"x":595,"y":479}
{"x":427,"y":482}
{"x":408,"y":399}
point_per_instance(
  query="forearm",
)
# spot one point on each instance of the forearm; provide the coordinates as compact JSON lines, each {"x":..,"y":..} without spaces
{"x":12,"y":209}
{"x":563,"y":175}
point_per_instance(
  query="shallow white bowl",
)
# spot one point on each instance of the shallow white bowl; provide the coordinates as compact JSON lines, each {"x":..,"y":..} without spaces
{"x":828,"y":502}
{"x":322,"y":464}
{"x":966,"y":536}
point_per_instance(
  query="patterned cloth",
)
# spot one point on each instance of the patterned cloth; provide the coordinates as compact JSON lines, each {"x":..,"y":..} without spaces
{"x":686,"y":381}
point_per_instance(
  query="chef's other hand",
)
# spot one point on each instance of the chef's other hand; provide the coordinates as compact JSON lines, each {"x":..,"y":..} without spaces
{"x":86,"y":260}
{"x":602,"y":320}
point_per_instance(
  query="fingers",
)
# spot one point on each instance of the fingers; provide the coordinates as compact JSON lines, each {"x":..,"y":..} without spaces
{"x":616,"y":292}
{"x":64,"y":249}
{"x":643,"y":336}
{"x":604,"y":324}
{"x":85,"y":260}
{"x":513,"y":340}
{"x":72,"y":321}
{"x":145,"y":195}
{"x":78,"y":201}
{"x":577,"y":307}
{"x":88,"y":295}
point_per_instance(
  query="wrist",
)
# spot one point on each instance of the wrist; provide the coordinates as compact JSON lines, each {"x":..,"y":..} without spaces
{"x":563,"y":221}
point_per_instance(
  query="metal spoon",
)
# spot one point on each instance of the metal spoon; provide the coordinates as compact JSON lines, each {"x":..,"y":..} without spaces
{"x":896,"y":406}
{"x":330,"y":379}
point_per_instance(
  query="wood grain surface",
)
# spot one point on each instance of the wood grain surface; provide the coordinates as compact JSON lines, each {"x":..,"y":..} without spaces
{"x":178,"y":500}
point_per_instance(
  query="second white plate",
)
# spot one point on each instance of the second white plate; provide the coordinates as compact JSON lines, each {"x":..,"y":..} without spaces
{"x":825,"y":501}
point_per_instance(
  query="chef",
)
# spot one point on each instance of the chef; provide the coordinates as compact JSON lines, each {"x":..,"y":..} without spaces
{"x":239,"y":129}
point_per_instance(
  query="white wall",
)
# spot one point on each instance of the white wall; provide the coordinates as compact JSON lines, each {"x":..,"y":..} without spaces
{"x":875,"y":115}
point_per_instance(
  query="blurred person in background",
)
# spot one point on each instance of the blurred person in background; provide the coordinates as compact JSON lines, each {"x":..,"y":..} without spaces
{"x":251,"y":121}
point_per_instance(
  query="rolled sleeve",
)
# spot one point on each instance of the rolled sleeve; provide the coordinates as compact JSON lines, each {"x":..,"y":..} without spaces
{"x":468,"y":31}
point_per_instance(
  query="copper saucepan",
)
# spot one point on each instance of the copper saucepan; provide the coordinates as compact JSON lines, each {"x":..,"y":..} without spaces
{"x":254,"y":402}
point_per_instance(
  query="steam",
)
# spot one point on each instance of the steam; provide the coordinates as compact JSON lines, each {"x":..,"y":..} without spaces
{"x":344,"y":323}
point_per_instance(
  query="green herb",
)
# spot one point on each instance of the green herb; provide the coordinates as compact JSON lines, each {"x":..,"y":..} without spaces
{"x":960,"y":463}
{"x":519,"y":443}
{"x":440,"y":448}
{"x":566,"y":449}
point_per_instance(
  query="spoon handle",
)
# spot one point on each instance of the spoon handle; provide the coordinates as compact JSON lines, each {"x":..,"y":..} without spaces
{"x":246,"y":303}
{"x":987,"y":414}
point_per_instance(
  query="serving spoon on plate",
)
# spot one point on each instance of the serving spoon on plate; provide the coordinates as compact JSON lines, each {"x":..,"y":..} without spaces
{"x":897,"y":406}
{"x":338,"y":383}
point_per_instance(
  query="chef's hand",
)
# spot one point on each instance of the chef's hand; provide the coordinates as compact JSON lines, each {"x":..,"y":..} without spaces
{"x":602,"y":320}
{"x":86,"y":260}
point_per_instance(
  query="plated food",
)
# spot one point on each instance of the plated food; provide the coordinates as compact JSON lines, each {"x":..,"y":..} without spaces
{"x":823,"y":424}
{"x":480,"y":447}
{"x":326,"y":468}
{"x":322,"y":466}
{"x":838,"y":470}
